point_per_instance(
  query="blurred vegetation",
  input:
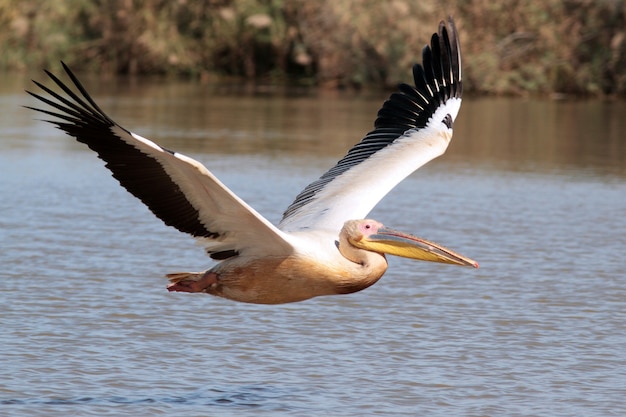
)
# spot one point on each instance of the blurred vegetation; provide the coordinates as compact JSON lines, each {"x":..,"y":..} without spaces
{"x":509,"y":46}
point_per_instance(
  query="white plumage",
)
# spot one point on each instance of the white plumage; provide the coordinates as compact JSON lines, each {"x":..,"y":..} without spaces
{"x":322,"y":245}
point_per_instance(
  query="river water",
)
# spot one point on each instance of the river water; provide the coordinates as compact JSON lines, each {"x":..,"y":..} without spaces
{"x":534,"y":190}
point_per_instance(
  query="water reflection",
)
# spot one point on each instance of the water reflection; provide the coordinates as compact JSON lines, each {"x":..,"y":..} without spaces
{"x":496,"y":133}
{"x":500,"y":133}
{"x":545,"y":135}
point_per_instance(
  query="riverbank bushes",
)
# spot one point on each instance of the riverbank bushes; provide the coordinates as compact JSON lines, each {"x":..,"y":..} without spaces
{"x":509,"y":47}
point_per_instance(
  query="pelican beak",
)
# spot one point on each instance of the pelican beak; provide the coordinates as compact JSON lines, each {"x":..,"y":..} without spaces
{"x":397,"y":243}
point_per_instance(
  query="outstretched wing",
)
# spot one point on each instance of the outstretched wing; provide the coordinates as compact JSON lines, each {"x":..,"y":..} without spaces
{"x":177,"y":189}
{"x":413,"y":127}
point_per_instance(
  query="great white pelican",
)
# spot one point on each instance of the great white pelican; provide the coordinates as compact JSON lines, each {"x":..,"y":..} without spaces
{"x":323,"y":245}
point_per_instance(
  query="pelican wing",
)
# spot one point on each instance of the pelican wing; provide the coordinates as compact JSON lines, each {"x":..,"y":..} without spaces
{"x":413,"y":127}
{"x":177,"y":189}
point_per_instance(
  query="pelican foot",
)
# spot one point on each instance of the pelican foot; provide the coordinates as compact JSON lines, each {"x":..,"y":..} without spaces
{"x":200,"y":284}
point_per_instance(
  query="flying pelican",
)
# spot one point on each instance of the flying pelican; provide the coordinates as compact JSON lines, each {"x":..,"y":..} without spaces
{"x":323,"y":245}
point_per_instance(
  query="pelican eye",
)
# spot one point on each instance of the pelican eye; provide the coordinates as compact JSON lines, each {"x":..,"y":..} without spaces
{"x":447,"y":121}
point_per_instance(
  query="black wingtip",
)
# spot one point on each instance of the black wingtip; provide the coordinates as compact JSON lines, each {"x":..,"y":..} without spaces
{"x":436,"y":79}
{"x":137,"y":170}
{"x":452,"y":36}
{"x":441,"y":63}
{"x":73,"y":107}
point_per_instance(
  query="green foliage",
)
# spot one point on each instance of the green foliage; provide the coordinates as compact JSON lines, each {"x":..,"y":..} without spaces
{"x":509,"y":46}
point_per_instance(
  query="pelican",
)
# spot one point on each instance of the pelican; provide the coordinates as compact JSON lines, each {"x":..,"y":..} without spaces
{"x":324,"y":244}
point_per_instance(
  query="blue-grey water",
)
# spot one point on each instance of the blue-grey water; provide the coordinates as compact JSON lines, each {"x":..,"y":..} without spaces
{"x":534,"y":190}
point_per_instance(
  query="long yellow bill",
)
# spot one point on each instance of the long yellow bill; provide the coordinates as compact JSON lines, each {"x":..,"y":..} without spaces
{"x":397,"y":243}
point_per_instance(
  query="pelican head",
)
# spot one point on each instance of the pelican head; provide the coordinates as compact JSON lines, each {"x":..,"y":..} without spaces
{"x":373,"y":236}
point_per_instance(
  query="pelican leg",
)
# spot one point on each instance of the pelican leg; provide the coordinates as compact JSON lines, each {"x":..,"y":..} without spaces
{"x":191,"y":282}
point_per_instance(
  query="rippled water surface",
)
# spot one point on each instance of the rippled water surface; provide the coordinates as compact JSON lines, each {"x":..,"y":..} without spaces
{"x":533,"y":190}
